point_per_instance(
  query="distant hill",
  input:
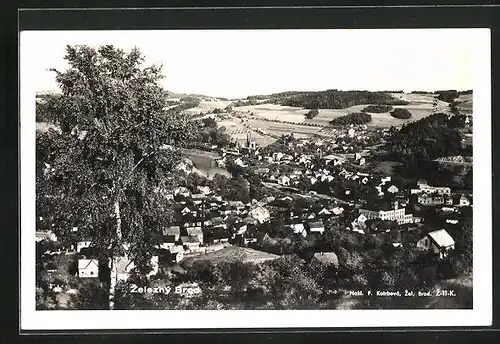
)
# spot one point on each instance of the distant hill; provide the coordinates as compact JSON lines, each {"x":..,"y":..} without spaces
{"x":330,"y":99}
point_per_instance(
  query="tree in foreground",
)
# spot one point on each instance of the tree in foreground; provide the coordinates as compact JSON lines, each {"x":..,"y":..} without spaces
{"x":103,"y":174}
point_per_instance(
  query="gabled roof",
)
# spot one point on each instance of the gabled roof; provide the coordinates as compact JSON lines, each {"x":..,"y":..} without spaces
{"x":86,"y":263}
{"x":442,"y":238}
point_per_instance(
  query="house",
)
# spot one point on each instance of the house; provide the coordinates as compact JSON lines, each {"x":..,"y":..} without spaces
{"x":204,"y":189}
{"x":174,"y":231}
{"x":440,"y":190}
{"x":439,"y":242}
{"x":195,"y":232}
{"x":239,"y":162}
{"x":392,"y":189}
{"x":395,"y":214}
{"x":167,"y":242}
{"x":324,"y":212}
{"x":434,"y":199}
{"x":327,"y":258}
{"x":125,"y":266}
{"x":198,"y":198}
{"x":176,"y":253}
{"x":183,"y":191}
{"x":240,"y":227}
{"x":338,"y":210}
{"x":261,"y":214}
{"x":187,"y":211}
{"x":298,"y":228}
{"x":82,"y":244}
{"x":220,"y":236}
{"x":463,"y":202}
{"x":239,"y":205}
{"x":191,"y":243}
{"x":88,"y":268}
{"x":284,"y":180}
{"x":316,"y":227}
{"x":277,"y":156}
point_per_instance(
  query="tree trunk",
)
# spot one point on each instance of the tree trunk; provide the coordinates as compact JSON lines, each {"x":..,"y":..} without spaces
{"x":113,"y":259}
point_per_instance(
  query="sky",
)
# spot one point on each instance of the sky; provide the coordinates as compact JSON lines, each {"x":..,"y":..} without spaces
{"x":238,"y":63}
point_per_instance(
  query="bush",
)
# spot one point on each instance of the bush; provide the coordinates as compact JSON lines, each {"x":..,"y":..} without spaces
{"x":401,"y":113}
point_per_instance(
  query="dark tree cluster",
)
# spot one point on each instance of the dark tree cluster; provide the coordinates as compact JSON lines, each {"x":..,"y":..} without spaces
{"x":401,"y":113}
{"x":335,"y":99}
{"x":428,"y":138}
{"x":352,"y":118}
{"x":447,"y":95}
{"x":377,"y":108}
{"x":312,"y":113}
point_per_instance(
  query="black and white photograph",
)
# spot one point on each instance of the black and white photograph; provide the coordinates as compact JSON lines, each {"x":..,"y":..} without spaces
{"x":273,"y":178}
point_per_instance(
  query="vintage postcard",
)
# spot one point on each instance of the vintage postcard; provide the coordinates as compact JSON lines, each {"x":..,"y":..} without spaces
{"x":268,"y":178}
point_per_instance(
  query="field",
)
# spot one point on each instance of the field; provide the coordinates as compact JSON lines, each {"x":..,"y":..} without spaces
{"x":465,"y":103}
{"x":420,"y":105}
{"x":206,"y":106}
{"x":238,"y":131}
{"x":232,"y":253}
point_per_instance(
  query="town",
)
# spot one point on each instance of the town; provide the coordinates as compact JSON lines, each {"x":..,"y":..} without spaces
{"x":250,"y":222}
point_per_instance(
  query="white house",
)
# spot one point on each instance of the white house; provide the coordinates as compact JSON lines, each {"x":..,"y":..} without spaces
{"x":392,"y":189}
{"x":261,"y":214}
{"x":440,"y":242}
{"x":181,"y":190}
{"x":316,"y":227}
{"x":298,"y":228}
{"x":277,"y":156}
{"x":175,"y":231}
{"x":324,"y":211}
{"x":124,"y":266}
{"x":464,"y":201}
{"x":284,"y":180}
{"x":88,"y":268}
{"x":195,"y":232}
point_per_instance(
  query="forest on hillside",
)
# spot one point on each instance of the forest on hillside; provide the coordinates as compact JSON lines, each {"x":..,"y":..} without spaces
{"x":335,"y":99}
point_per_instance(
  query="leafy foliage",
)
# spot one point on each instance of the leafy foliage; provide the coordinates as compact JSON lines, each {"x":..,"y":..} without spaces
{"x":115,"y":150}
